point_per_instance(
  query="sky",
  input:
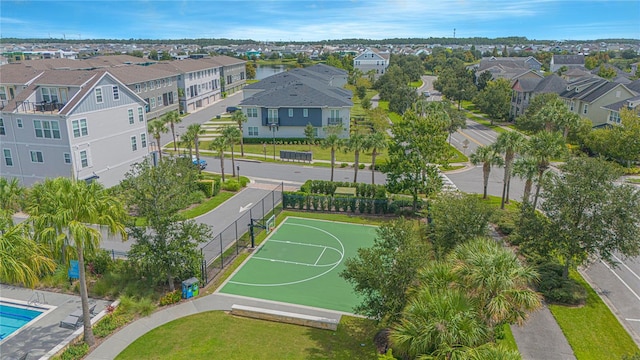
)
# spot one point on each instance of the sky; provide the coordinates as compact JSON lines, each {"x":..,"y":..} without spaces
{"x":314,"y":20}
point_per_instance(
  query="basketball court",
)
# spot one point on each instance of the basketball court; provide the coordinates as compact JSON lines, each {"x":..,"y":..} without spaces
{"x":300,"y":262}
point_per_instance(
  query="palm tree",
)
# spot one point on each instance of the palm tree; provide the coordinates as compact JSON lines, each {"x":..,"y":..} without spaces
{"x":509,"y":143}
{"x":497,"y":281}
{"x":11,"y":193}
{"x":187,"y":141}
{"x":232,"y":136}
{"x":543,"y":147}
{"x":332,"y":141}
{"x":439,"y":324}
{"x":356,"y":143}
{"x":487,"y":156}
{"x":195,"y":130}
{"x":172,"y":118}
{"x":156,"y":128}
{"x":219,"y":144}
{"x":526,"y":168}
{"x":22,"y":260}
{"x":62,"y":213}
{"x":239,"y":117}
{"x":376,"y":141}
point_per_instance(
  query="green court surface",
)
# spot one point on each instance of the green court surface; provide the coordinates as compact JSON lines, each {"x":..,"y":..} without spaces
{"x":300,"y":263}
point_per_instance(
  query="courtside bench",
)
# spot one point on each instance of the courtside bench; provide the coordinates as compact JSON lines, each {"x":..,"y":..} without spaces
{"x":284,"y":317}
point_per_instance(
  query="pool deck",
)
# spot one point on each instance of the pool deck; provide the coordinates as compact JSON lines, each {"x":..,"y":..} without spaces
{"x":39,"y":338}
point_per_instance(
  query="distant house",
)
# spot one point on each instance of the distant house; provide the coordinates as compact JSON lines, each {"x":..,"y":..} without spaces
{"x":587,"y":97}
{"x":372,"y":60}
{"x":567,"y":61}
{"x":524,"y":89}
{"x":614,"y":109}
{"x":508,"y":67}
{"x":282,"y":105}
{"x":81,"y":124}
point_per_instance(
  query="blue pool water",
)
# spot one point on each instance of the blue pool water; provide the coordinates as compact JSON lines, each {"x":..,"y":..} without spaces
{"x":13,"y":318}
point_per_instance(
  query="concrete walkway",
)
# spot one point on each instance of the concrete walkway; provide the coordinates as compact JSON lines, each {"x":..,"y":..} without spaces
{"x":117,"y":342}
{"x":540,"y":338}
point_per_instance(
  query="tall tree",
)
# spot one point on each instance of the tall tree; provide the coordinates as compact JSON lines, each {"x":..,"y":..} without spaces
{"x":383,"y":273}
{"x":589,"y":215}
{"x":187,"y":141}
{"x":357,"y":142}
{"x":219,"y":144}
{"x":310,"y":135}
{"x":22,"y":260}
{"x":455,"y":81}
{"x":156,"y":128}
{"x":418,"y":144}
{"x":487,"y":156}
{"x":195,"y":130}
{"x":544,"y":147}
{"x":63,"y":211}
{"x":11,"y":194}
{"x":232,"y":136}
{"x":172,"y":118}
{"x":240,"y":118}
{"x":509,"y":144}
{"x":333,"y":141}
{"x":526,"y":168}
{"x":376,"y":141}
{"x":495,"y":99}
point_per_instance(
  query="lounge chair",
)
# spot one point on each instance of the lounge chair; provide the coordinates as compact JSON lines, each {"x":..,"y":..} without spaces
{"x":71,"y":322}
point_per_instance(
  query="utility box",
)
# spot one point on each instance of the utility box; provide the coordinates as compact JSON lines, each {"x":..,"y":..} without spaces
{"x":190,"y":288}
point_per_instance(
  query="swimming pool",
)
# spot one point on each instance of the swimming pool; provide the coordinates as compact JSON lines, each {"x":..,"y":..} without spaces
{"x":14,"y":316}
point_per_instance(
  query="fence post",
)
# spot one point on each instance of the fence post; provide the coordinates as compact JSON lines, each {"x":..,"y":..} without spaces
{"x":113,"y":255}
{"x":221,"y":253}
{"x":264,"y":215}
{"x":237,"y":240}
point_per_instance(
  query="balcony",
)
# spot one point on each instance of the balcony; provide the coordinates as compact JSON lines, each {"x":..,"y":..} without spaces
{"x":40,"y":107}
{"x":334,"y":120}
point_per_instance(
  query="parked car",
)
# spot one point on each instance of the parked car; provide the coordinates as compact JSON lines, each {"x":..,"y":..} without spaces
{"x":426,"y":93}
{"x":232,"y":109}
{"x":202,"y":164}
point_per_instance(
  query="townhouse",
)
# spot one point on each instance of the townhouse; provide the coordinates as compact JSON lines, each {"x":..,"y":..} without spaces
{"x":82,"y":124}
{"x":282,"y":105}
{"x":372,"y":59}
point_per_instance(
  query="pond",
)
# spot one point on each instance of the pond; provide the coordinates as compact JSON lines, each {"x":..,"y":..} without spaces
{"x":264,"y":71}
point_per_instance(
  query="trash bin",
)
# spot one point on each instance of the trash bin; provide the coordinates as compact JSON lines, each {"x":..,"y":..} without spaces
{"x":190,"y":288}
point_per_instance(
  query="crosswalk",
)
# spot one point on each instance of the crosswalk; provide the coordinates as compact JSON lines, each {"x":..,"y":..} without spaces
{"x":447,"y":184}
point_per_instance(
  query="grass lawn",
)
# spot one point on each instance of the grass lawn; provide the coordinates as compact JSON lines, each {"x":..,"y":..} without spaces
{"x":416,"y":84}
{"x":215,"y":335}
{"x":207,"y":206}
{"x":633,"y":181}
{"x":508,"y":341}
{"x":318,"y":152}
{"x":592,"y":330}
{"x":457,"y":157}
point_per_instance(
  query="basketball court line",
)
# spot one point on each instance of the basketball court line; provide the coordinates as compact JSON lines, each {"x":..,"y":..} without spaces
{"x":333,"y":266}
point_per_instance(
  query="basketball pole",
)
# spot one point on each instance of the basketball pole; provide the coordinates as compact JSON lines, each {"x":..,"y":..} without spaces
{"x":252,"y":233}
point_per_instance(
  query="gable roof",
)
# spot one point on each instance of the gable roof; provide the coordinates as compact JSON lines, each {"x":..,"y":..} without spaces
{"x":551,"y":84}
{"x":628,"y":103}
{"x":568,"y":59}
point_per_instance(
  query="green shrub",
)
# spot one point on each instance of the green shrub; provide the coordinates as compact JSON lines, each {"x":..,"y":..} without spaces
{"x":217,"y":184}
{"x":206,"y":186}
{"x":196,"y":197}
{"x":243,"y":181}
{"x":361,"y":166}
{"x":231,"y":185}
{"x":74,"y":352}
{"x":344,"y":165}
{"x":171,"y":298}
{"x":99,"y":262}
{"x":506,"y":220}
{"x":555,"y":289}
{"x":111,"y":322}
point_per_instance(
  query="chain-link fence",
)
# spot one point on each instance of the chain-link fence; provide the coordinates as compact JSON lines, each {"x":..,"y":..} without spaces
{"x":226,"y":246}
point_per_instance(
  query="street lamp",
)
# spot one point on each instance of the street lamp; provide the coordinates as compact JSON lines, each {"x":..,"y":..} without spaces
{"x":238,"y":168}
{"x":273,"y":131}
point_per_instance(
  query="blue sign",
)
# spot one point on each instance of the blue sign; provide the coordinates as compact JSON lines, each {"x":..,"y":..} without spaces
{"x":74,"y":272}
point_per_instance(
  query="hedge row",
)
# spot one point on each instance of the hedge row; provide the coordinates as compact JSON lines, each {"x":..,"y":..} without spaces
{"x":210,"y":188}
{"x":281,"y":141}
{"x":328,"y":203}
{"x":324,"y":187}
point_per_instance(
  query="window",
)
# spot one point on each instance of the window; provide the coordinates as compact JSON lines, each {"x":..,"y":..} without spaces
{"x":79,"y":128}
{"x":8,"y":160}
{"x":2,"y":132}
{"x":49,"y":94}
{"x":47,"y":129}
{"x":614,"y":117}
{"x":290,"y":112}
{"x":572,"y":105}
{"x":170,"y":81}
{"x":19,"y":123}
{"x":84,"y":159}
{"x":272,"y":116}
{"x":335,"y":118}
{"x":36,"y":156}
{"x":144,"y":87}
{"x":116,"y":93}
{"x":67,"y":158}
{"x":3,"y":93}
{"x":585,"y":108}
{"x":315,"y":131}
{"x":138,"y":88}
{"x":131,"y":119}
{"x":253,"y":130}
{"x":159,"y":101}
{"x":134,"y":143}
{"x":229,"y":79}
{"x":152,"y":102}
{"x":158,"y":84}
{"x":99,"y":95}
{"x":143,"y":140}
{"x":252,"y":112}
{"x":140,"y":114}
{"x":305,"y":112}
{"x":152,"y":85}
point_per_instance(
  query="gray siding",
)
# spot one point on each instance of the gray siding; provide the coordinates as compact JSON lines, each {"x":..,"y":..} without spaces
{"x":89,"y":104}
{"x":315,"y":117}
